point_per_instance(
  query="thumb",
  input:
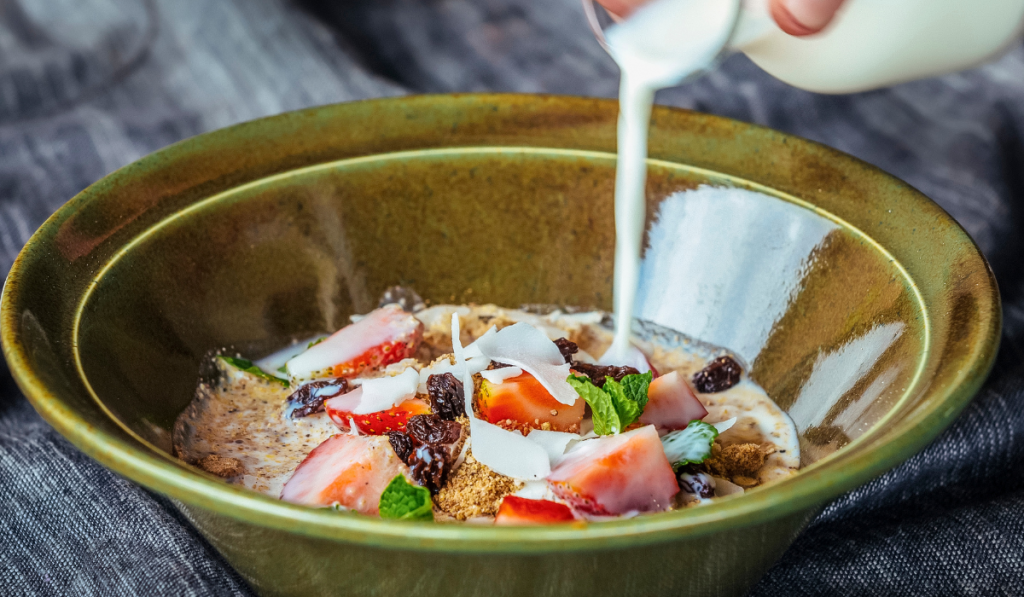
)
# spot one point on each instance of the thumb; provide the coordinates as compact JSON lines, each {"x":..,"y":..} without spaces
{"x":803,"y":17}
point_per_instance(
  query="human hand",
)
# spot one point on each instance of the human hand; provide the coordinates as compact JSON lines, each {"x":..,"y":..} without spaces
{"x":795,"y":17}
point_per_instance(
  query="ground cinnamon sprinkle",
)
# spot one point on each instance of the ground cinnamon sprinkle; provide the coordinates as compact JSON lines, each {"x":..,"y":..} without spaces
{"x":474,"y":490}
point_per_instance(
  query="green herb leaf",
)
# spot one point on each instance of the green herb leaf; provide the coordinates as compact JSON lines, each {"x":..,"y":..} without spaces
{"x":629,"y":396}
{"x":602,"y":405}
{"x":248,"y":367}
{"x":402,"y":500}
{"x":315,"y":342}
{"x":283,"y":369}
{"x":691,"y":445}
{"x":636,"y":387}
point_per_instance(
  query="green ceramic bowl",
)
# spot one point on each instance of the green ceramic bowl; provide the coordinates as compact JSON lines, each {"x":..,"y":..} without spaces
{"x":861,"y":307}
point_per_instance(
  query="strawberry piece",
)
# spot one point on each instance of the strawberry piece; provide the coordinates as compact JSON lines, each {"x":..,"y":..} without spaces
{"x":517,"y":511}
{"x":386,"y":335}
{"x":671,"y":404}
{"x":522,"y":403}
{"x":348,"y":470}
{"x":340,"y":410}
{"x":615,"y":474}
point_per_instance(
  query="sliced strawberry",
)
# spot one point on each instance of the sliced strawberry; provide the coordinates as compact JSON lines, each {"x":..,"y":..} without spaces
{"x":517,"y":511}
{"x":522,"y":403}
{"x":615,"y":474}
{"x":671,"y":404}
{"x":348,"y":470}
{"x":387,"y":335}
{"x":340,"y":410}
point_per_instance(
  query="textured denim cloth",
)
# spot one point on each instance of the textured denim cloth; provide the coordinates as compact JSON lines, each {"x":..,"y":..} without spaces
{"x":87,"y":86}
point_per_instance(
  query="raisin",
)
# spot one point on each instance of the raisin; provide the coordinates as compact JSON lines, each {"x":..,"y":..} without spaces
{"x":691,"y":480}
{"x":309,"y":398}
{"x":497,"y":365}
{"x":427,"y":447}
{"x":597,"y":373}
{"x":429,"y":465}
{"x":432,"y":429}
{"x":406,"y":298}
{"x":446,"y":396}
{"x":567,"y":348}
{"x":720,"y":375}
{"x":402,"y":444}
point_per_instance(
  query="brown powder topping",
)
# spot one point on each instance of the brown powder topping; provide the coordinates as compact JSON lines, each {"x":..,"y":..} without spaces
{"x":221,"y":466}
{"x":739,"y":462}
{"x":474,"y":490}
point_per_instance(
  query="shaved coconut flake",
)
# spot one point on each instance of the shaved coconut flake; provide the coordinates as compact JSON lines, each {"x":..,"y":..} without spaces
{"x":508,"y":452}
{"x":625,"y":356}
{"x":526,"y":347}
{"x":554,"y":443}
{"x":504,"y":452}
{"x":724,"y":425}
{"x":536,"y":490}
{"x":383,"y":393}
{"x":475,"y":365}
{"x":497,"y":376}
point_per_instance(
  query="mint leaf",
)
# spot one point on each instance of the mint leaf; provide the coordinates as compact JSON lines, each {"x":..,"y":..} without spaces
{"x":636,"y":387}
{"x":283,"y":369}
{"x":248,"y":367}
{"x":602,"y":405}
{"x":402,"y":500}
{"x":691,"y":445}
{"x":629,"y":396}
{"x":315,"y":342}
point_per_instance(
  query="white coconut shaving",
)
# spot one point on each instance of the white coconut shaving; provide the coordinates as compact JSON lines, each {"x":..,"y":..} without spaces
{"x":724,"y":426}
{"x":504,"y":452}
{"x":383,"y":393}
{"x":497,"y":376}
{"x":555,"y":443}
{"x":524,"y":346}
{"x":628,"y":356}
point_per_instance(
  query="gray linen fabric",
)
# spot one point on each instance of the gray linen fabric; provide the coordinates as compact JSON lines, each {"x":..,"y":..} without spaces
{"x":89,"y":85}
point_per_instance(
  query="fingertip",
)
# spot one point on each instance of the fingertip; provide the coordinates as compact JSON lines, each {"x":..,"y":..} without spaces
{"x":803,"y":17}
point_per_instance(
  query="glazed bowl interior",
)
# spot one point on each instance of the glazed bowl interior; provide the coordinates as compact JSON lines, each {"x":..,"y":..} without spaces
{"x":862,"y":309}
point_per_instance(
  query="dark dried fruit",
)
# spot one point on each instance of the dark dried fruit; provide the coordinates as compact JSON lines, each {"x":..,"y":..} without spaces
{"x":428,"y":448}
{"x":429,"y":465}
{"x":691,"y":480}
{"x":567,"y":348}
{"x":309,"y":398}
{"x":406,"y":298}
{"x":720,"y":375}
{"x":432,"y":429}
{"x":497,"y":365}
{"x":402,"y":445}
{"x":597,"y":373}
{"x":446,"y":396}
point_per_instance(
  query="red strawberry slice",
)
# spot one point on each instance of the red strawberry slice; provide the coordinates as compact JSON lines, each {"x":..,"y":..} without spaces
{"x":340,"y":410}
{"x":522,"y":403}
{"x":348,"y":470}
{"x":671,"y":404}
{"x":517,"y":511}
{"x":387,"y":335}
{"x":615,"y":474}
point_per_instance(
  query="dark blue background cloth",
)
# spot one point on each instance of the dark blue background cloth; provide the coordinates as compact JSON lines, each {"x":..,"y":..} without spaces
{"x":87,"y":86}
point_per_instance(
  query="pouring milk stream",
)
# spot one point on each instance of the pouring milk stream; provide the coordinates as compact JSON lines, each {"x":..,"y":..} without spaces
{"x":871,"y":43}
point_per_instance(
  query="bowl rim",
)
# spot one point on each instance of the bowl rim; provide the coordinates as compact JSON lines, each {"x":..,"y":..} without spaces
{"x":795,"y":496}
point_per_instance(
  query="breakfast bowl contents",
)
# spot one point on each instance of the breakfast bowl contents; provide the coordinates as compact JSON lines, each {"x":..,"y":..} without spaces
{"x":153,"y":304}
{"x":526,"y":429}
